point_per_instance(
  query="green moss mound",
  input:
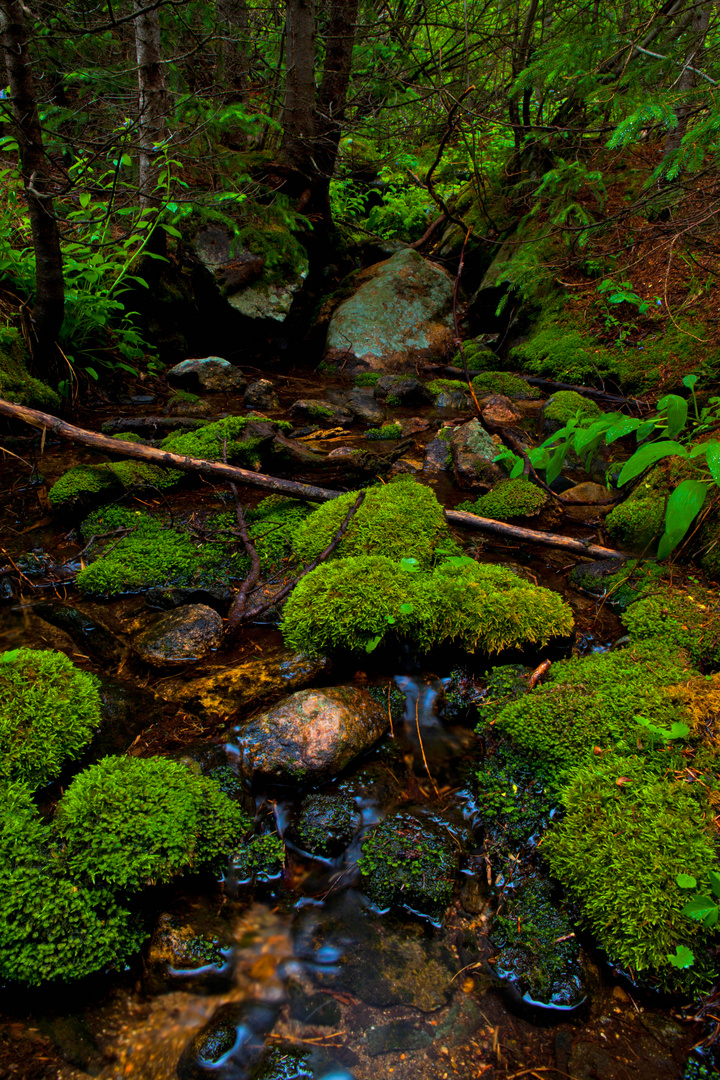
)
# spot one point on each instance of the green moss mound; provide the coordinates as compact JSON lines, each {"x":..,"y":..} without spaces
{"x":354,"y":602}
{"x":153,"y":555}
{"x":508,"y":499}
{"x":593,"y":701}
{"x":684,"y":619}
{"x":387,"y":431}
{"x":367,"y":378}
{"x":444,"y":386}
{"x":50,"y":710}
{"x":129,"y":822}
{"x":626,"y":836}
{"x":16,"y":383}
{"x":51,"y":926}
{"x":566,"y":404}
{"x":260,"y":859}
{"x":502,"y":382}
{"x":477,"y":355}
{"x":84,"y":485}
{"x":229,"y":437}
{"x":410,"y":862}
{"x":402,"y":519}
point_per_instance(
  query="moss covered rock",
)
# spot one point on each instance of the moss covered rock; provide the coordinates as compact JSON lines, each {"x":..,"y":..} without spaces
{"x":241,"y":440}
{"x":566,"y":405}
{"x":353,"y":603}
{"x":84,"y":486}
{"x":509,"y":499}
{"x":49,"y":713}
{"x":502,"y":382}
{"x":627,"y":834}
{"x":686,"y":619}
{"x":130,"y":821}
{"x":261,"y":858}
{"x":410,"y":861}
{"x":16,"y":383}
{"x":326,"y":822}
{"x":387,"y":431}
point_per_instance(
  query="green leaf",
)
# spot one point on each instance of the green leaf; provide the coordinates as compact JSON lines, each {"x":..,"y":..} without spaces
{"x":682,"y":958}
{"x":624,"y":426}
{"x":373,"y":643}
{"x":714,"y":882}
{"x":84,"y":198}
{"x":676,"y":409}
{"x":409,"y":564}
{"x":689,"y":381}
{"x":172,"y":231}
{"x":699,"y":908}
{"x":517,"y":469}
{"x":683,"y":506}
{"x":9,"y":657}
{"x":406,"y":609}
{"x":713,"y":460}
{"x":686,"y":881}
{"x":646,"y":456}
{"x":556,"y":463}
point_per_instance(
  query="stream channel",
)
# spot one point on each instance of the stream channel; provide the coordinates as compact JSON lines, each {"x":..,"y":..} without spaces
{"x":302,"y":975}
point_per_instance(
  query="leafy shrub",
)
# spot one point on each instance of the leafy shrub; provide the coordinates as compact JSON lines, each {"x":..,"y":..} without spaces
{"x":507,"y":500}
{"x":51,"y":926}
{"x":50,"y":710}
{"x":400,"y":519}
{"x":134,"y":821}
{"x":687,"y":620}
{"x":354,"y":602}
{"x":594,"y":701}
{"x":626,"y":836}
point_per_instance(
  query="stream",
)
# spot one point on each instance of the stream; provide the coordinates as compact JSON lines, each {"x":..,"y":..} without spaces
{"x":302,"y":975}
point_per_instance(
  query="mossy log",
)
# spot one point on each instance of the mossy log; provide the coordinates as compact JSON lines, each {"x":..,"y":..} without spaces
{"x":219,"y":471}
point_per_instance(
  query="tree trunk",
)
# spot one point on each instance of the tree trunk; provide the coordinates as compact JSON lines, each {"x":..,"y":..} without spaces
{"x":299,"y":103}
{"x":151,"y":103}
{"x":688,"y":79}
{"x":49,"y":292}
{"x":233,"y":69}
{"x":332,"y":98}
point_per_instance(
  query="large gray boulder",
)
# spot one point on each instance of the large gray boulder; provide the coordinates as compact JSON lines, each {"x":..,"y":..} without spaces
{"x":473,"y":450}
{"x":400,"y":315}
{"x":311,"y":735}
{"x":207,"y":373}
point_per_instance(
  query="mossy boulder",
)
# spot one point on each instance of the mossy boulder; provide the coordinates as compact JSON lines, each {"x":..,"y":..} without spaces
{"x":509,"y":499}
{"x":84,"y":486}
{"x":565,"y":405}
{"x":473,"y":456}
{"x":355,"y":602}
{"x":589,"y":705}
{"x":53,"y":926}
{"x":261,"y":858}
{"x":16,"y":383}
{"x":686,"y":619}
{"x":128,"y":822}
{"x":502,"y":382}
{"x":402,"y":519}
{"x":50,"y":711}
{"x":387,"y":431}
{"x":326,"y":822}
{"x":241,"y":440}
{"x":410,"y":861}
{"x":626,"y":835}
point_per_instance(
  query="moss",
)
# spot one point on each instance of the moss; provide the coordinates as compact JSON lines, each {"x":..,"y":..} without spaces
{"x":129,"y":436}
{"x":16,"y":384}
{"x":442,"y":386}
{"x":537,"y":949}
{"x":626,"y":836}
{"x":354,"y":602}
{"x":51,"y":925}
{"x":589,"y":705}
{"x":684,"y":619}
{"x":185,"y":395}
{"x":320,"y":412}
{"x":410,"y":862}
{"x":512,"y":800}
{"x":129,"y":822}
{"x":566,"y":404}
{"x":477,"y":355}
{"x":50,"y":710}
{"x":272,"y":526}
{"x":225,"y":437}
{"x":638,"y":522}
{"x":153,"y":556}
{"x":367,"y":378}
{"x":387,"y":431}
{"x":710,"y":546}
{"x":620,"y":588}
{"x":260,"y":859}
{"x":501,"y":382}
{"x":402,"y":519}
{"x":325,"y":823}
{"x":508,"y":499}
{"x":84,"y":485}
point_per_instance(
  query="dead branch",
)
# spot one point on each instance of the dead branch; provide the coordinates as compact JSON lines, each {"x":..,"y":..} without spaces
{"x":240,"y":601}
{"x":532,"y":536}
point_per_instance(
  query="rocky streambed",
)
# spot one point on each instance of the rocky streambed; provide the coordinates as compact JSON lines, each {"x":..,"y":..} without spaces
{"x":388,"y":906}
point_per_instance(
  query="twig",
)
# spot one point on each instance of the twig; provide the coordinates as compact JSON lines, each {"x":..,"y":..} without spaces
{"x":240,"y":602}
{"x":16,"y":568}
{"x":392,"y":732}
{"x":422,"y":748}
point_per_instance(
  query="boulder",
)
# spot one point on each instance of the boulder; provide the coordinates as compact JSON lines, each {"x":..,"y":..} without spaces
{"x":437,"y":457}
{"x":261,"y":395}
{"x":473,"y":450}
{"x":402,"y":390}
{"x":242,"y":686}
{"x":362,"y":404}
{"x":188,"y":633}
{"x":457,"y":400}
{"x":210,"y":373}
{"x":499,"y":410}
{"x":311,"y":735}
{"x":320,"y":412}
{"x":400,"y":315}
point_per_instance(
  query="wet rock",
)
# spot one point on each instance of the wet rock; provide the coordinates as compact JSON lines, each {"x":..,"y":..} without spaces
{"x":236,"y":688}
{"x":180,"y":637}
{"x":191,"y":950}
{"x":362,"y":404}
{"x":85,"y":631}
{"x":345,"y":452}
{"x":457,"y":400}
{"x":232,"y":1041}
{"x":320,"y":412}
{"x":473,"y":450}
{"x":312,"y":1008}
{"x":408,"y":464}
{"x":151,"y":427}
{"x":402,"y":390}
{"x":413,"y":426}
{"x":294,"y":1063}
{"x":261,"y":395}
{"x":410,"y":861}
{"x":500,"y":410}
{"x":311,"y":735}
{"x":400,"y":314}
{"x":326,"y":823}
{"x":174,"y":596}
{"x":588,"y":493}
{"x":397,"y":1035}
{"x":126,"y":710}
{"x":438,"y":457}
{"x":210,"y":373}
{"x":538,"y":953}
{"x":180,"y":406}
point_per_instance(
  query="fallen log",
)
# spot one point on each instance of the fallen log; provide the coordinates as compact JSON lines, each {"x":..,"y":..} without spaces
{"x":219,"y":471}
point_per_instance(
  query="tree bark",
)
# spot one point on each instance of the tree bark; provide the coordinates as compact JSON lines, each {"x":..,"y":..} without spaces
{"x":299,"y":102}
{"x":49,"y":291}
{"x":332,"y":97}
{"x":151,"y":100}
{"x":218,"y":471}
{"x":688,"y":79}
{"x":233,"y":69}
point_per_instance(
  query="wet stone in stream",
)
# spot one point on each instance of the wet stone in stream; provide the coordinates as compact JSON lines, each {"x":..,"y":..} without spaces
{"x":180,"y":637}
